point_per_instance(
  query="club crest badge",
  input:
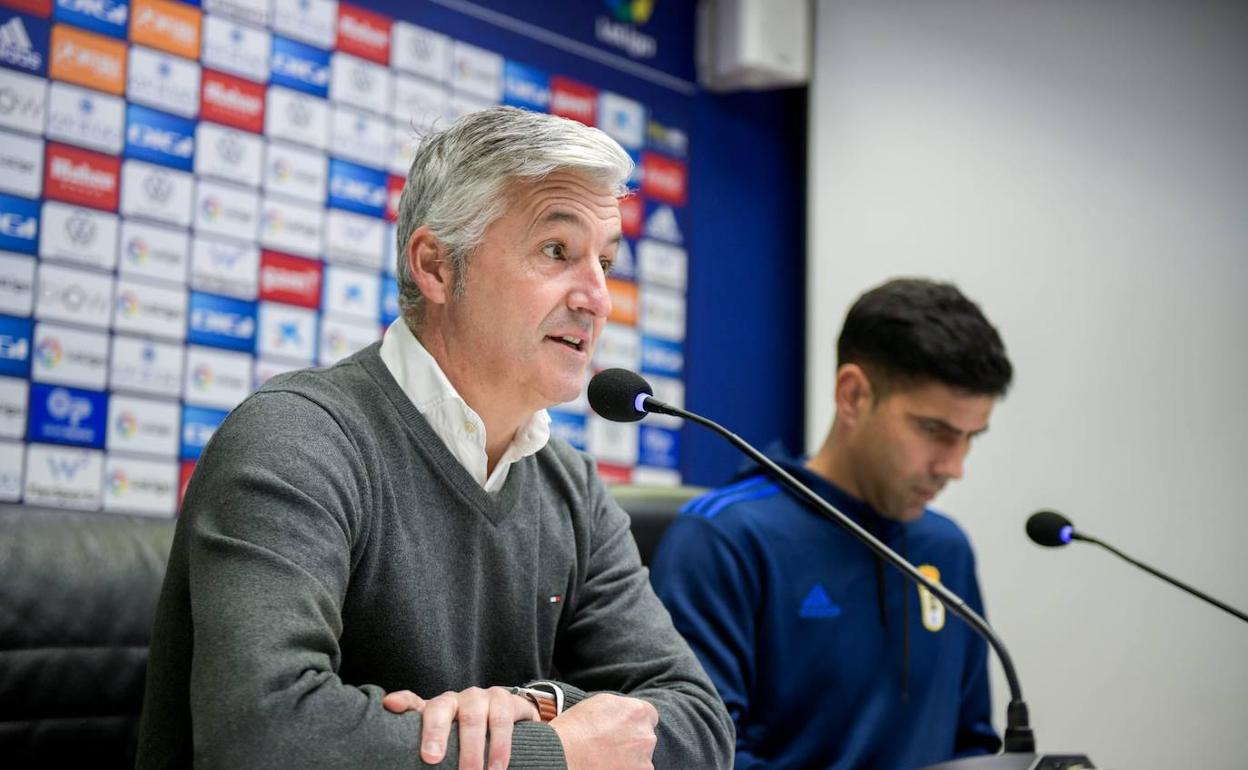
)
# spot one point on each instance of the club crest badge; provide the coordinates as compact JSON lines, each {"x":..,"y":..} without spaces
{"x":932,"y":611}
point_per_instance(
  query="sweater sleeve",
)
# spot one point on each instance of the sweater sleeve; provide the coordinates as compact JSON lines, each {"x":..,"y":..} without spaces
{"x":712,"y":593}
{"x":975,"y":732}
{"x":619,"y":638}
{"x":276,"y":508}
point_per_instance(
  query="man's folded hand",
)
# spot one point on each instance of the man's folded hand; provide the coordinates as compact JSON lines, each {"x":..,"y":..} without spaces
{"x":479,"y":713}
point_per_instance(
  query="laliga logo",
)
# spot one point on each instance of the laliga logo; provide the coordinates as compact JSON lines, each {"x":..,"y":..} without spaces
{"x":127,"y":424}
{"x":621,"y":30}
{"x":64,"y":406}
{"x":631,"y":11}
{"x":337,"y":341}
{"x":137,"y":250}
{"x":273,"y":221}
{"x":118,"y":483}
{"x":203,"y":376}
{"x":128,"y":302}
{"x":211,"y":208}
{"x":50,"y":353}
{"x":281,"y":169}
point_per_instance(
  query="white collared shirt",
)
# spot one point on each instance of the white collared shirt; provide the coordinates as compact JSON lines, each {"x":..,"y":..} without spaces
{"x":459,"y":427}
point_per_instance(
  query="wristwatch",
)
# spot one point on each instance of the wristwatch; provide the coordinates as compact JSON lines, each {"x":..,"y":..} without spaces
{"x":547,"y":696}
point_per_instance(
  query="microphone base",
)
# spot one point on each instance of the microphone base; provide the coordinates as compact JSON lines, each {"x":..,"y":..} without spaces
{"x":1018,"y":762}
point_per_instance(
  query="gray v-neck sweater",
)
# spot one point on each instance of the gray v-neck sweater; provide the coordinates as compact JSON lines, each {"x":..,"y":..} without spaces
{"x":331,"y":549}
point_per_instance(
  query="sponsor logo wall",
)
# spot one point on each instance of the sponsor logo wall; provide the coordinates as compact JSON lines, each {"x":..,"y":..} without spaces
{"x":195,"y":197}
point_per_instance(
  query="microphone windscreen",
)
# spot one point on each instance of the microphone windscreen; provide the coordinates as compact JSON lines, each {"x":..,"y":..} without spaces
{"x":1049,"y":528}
{"x":613,"y":394}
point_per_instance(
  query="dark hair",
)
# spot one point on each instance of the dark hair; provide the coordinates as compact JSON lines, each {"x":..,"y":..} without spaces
{"x":911,"y":330}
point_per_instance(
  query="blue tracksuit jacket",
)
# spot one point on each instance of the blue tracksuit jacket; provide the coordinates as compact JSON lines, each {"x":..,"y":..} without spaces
{"x":826,"y":657}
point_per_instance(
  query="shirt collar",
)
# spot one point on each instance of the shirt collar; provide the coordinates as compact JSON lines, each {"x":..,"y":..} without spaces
{"x":452,"y":419}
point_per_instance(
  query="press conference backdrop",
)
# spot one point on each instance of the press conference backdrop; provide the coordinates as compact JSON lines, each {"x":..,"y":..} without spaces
{"x":193,"y":199}
{"x":1081,"y":169}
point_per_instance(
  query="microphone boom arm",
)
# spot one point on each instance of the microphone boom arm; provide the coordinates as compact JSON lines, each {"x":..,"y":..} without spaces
{"x":1076,"y":535}
{"x":1019,"y":737}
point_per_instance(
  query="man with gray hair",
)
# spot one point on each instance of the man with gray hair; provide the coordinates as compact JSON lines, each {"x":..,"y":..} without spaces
{"x":390,"y":562}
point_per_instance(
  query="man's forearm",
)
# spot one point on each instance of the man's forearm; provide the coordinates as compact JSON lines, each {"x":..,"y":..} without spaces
{"x":337,"y":725}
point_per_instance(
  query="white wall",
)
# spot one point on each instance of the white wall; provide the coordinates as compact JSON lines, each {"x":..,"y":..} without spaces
{"x":1080,"y":168}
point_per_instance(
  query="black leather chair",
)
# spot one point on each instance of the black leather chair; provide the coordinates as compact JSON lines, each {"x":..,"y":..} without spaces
{"x":652,"y":509}
{"x":78,"y":594}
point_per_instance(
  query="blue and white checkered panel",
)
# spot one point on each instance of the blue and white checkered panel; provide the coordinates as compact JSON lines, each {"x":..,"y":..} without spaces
{"x":193,"y":199}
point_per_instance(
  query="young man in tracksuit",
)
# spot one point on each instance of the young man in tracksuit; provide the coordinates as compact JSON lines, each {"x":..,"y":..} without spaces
{"x":825,"y":656}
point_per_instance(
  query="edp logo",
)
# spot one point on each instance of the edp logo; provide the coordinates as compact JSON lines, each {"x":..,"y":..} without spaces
{"x":64,"y":406}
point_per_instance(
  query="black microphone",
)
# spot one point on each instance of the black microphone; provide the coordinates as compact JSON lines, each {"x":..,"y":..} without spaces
{"x":1053,"y":530}
{"x":623,"y":396}
{"x":617,"y":394}
{"x":1050,"y":529}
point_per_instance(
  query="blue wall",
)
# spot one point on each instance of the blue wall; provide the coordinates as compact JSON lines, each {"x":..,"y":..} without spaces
{"x":745,"y":344}
{"x":745,"y":352}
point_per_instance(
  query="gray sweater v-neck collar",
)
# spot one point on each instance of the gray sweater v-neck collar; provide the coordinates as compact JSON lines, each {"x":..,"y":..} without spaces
{"x":493,"y":507}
